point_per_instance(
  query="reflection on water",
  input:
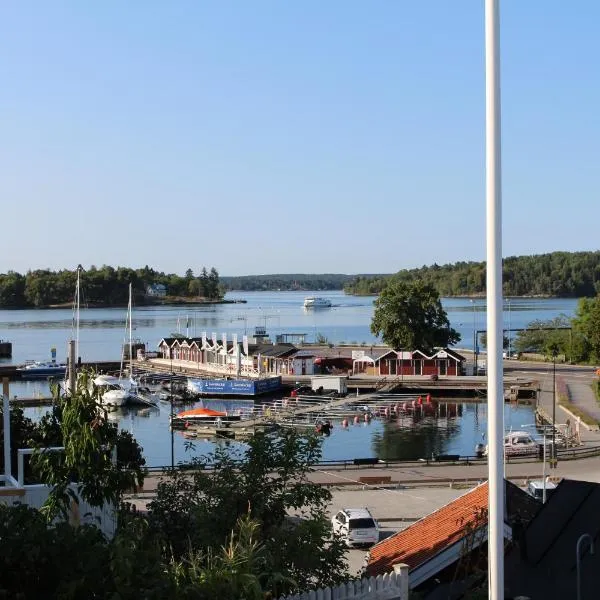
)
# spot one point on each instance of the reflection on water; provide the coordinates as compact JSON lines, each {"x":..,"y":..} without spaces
{"x":439,"y":428}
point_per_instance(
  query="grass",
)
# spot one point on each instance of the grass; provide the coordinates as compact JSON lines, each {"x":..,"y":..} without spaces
{"x":564,"y":400}
{"x":596,"y":388}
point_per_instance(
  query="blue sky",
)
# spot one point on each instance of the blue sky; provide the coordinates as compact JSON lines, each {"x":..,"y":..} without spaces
{"x":279,"y":137}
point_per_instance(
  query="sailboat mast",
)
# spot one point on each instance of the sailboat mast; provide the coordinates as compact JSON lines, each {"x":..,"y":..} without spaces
{"x":77,"y":306}
{"x":129,"y":313}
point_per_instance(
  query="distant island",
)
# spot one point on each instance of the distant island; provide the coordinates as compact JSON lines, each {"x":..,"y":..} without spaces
{"x":558,"y":274}
{"x":107,"y":286}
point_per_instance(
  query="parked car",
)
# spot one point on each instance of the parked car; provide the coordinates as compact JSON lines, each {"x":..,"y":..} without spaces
{"x":356,"y":526}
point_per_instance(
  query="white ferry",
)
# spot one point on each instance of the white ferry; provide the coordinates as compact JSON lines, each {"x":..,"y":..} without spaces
{"x":316,"y":302}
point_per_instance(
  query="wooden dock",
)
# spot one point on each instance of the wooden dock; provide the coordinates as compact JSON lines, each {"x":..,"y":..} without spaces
{"x":273,"y":416}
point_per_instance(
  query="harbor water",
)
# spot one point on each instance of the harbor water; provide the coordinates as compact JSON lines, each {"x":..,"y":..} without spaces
{"x":102,"y":332}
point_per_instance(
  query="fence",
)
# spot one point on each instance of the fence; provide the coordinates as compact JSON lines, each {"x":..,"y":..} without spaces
{"x":34,"y":495}
{"x":391,"y":586}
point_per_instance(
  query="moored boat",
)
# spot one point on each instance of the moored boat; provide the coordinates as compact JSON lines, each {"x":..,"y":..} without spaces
{"x":518,"y":443}
{"x":33,"y":369}
{"x":204,"y":415}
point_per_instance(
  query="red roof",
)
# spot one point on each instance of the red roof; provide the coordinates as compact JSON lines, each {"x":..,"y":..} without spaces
{"x":424,"y":539}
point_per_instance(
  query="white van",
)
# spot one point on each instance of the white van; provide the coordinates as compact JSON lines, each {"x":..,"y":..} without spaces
{"x":356,"y":526}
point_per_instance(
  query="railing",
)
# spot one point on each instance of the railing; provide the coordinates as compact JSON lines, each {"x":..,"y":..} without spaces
{"x":390,"y":586}
{"x":438,"y":460}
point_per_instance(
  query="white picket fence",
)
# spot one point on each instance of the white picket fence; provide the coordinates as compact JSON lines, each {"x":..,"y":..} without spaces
{"x":390,"y":586}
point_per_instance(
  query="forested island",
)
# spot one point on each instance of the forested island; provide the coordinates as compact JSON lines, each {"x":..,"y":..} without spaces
{"x":107,"y":286}
{"x":558,"y":274}
{"x":289,"y":282}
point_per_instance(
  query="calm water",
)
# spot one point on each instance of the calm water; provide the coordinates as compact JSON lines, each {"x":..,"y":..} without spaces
{"x":102,"y":332}
{"x":452,"y":428}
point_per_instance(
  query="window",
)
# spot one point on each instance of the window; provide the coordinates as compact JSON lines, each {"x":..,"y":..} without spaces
{"x":362,"y":524}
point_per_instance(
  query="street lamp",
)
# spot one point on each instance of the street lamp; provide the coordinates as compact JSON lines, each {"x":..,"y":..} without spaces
{"x":172,"y":432}
{"x":590,"y":539}
{"x":472,"y":301}
{"x":554,"y":350}
{"x":509,"y":332}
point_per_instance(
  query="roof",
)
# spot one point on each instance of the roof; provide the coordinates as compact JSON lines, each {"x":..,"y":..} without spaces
{"x":424,"y":539}
{"x":542,"y":563}
{"x":358,"y":513}
{"x":275,"y":350}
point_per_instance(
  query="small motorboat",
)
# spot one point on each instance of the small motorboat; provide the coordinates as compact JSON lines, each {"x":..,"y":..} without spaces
{"x":204,"y":415}
{"x":34,"y":369}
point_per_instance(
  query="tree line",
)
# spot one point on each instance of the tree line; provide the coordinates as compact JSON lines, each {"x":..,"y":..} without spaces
{"x":289,"y":282}
{"x":558,"y":274}
{"x":104,"y":286}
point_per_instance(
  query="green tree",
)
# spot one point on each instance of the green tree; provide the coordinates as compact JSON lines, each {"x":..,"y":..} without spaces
{"x":267,"y":483}
{"x":540,"y":336}
{"x":80,"y":424}
{"x":586,"y":325}
{"x":410,"y":315}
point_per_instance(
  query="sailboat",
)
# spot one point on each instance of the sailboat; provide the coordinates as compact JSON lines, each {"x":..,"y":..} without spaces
{"x":121,"y":391}
{"x":117,"y":391}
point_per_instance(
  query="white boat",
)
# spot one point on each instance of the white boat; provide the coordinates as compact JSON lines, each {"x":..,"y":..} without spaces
{"x":125,"y":390}
{"x":518,"y":443}
{"x":316,"y":302}
{"x":112,"y":390}
{"x":34,"y":369}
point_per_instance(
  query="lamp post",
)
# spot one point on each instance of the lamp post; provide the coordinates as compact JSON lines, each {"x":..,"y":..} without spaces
{"x":172,"y":432}
{"x":585,"y":536}
{"x":509,"y":350}
{"x":554,"y":354}
{"x":472,"y":301}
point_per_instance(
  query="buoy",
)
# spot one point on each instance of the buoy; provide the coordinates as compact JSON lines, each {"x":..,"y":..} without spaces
{"x":428,"y":398}
{"x":345,"y":423}
{"x":420,"y":400}
{"x":356,"y":419}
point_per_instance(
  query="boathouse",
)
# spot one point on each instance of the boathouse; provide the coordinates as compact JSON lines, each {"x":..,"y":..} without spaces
{"x":416,"y":362}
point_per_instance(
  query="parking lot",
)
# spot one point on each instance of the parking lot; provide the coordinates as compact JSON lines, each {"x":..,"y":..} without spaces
{"x":394,"y":509}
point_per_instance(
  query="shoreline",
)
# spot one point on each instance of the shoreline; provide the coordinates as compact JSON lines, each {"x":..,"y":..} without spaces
{"x":91,"y":306}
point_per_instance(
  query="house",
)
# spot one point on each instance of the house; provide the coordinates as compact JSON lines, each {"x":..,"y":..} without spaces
{"x":158,"y":290}
{"x":450,"y":541}
{"x":385,"y":361}
{"x":542,"y":563}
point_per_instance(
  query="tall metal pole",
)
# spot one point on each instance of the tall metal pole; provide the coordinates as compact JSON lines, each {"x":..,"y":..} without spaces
{"x":494,"y":304}
{"x":509,"y":350}
{"x":172,"y":432}
{"x":474,"y":337}
{"x":6,"y":426}
{"x":544,"y":470}
{"x":553,"y":453}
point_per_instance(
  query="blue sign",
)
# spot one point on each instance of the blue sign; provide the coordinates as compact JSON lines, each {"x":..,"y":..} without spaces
{"x":235,"y":387}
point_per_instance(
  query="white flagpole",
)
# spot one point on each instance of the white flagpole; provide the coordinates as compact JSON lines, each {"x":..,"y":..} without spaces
{"x":494,"y":304}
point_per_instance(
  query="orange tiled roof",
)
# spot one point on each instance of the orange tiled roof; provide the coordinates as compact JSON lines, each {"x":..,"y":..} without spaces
{"x":425,"y":538}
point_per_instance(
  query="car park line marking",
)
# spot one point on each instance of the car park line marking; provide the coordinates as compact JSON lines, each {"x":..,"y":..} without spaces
{"x":373,"y":486}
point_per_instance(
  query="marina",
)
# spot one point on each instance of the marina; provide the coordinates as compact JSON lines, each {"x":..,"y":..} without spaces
{"x":453,"y":422}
